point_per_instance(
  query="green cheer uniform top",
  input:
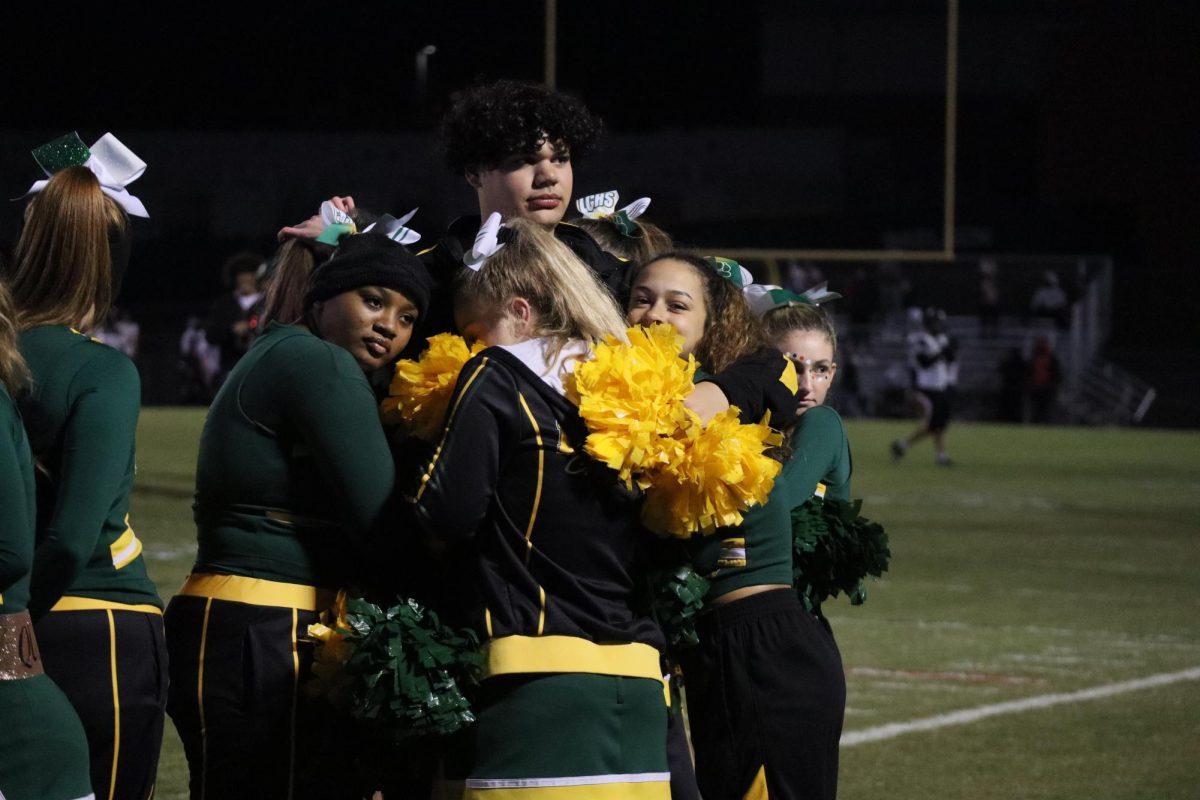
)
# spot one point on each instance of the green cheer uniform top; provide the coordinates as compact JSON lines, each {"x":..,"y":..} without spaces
{"x":44,"y":752}
{"x":81,"y":415}
{"x":17,"y":509}
{"x":759,"y":551}
{"x":820,"y":454}
{"x":294,"y":469}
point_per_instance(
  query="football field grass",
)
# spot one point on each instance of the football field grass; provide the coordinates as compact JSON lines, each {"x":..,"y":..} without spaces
{"x":1038,"y":634}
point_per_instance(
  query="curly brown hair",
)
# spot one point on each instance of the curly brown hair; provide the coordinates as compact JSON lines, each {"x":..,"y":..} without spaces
{"x":488,"y":124}
{"x":730,"y":328}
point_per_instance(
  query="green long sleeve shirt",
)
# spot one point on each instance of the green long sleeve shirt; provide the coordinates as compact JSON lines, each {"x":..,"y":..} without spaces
{"x":294,"y":471}
{"x":759,"y":551}
{"x":17,"y":509}
{"x":81,"y":416}
{"x":820,"y":454}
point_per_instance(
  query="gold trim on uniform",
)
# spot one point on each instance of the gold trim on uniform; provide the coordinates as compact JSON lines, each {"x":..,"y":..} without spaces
{"x":116,"y":697}
{"x":449,"y":423}
{"x":295,"y":692}
{"x":71,"y":603}
{"x":788,"y":378}
{"x":535,"y":654}
{"x":733,"y":552}
{"x":758,"y":788}
{"x":537,"y":494}
{"x":258,"y":591}
{"x":200,"y":701}
{"x":126,"y":548}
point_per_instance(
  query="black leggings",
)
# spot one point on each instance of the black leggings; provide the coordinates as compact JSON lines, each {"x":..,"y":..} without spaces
{"x":766,"y":695}
{"x":112,"y":666}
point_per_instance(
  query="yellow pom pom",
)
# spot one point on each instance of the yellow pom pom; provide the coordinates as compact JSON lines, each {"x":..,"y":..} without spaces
{"x":631,"y":397}
{"x":331,"y":652}
{"x":722,"y":472}
{"x":421,"y":390}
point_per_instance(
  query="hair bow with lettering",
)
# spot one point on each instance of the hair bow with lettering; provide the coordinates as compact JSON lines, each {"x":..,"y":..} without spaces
{"x":604,"y":206}
{"x":765,"y":297}
{"x":731,"y":270}
{"x":113,"y":164}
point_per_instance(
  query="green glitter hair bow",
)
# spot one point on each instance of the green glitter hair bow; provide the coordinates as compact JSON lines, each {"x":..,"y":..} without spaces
{"x":113,"y":164}
{"x":604,"y":206}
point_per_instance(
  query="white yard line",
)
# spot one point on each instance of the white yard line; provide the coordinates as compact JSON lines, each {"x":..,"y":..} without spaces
{"x":968,"y":715}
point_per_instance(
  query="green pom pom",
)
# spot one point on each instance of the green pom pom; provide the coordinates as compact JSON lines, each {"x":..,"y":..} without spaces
{"x":408,"y":673}
{"x":834,"y":549}
{"x":677,"y":598}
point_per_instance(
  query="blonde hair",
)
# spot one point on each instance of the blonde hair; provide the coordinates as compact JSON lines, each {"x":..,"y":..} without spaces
{"x":13,"y":372}
{"x":62,"y":266}
{"x":568,"y":299}
{"x":779,"y":322}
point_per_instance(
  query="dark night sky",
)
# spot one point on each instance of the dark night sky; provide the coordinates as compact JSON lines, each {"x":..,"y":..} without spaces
{"x":1078,"y":120}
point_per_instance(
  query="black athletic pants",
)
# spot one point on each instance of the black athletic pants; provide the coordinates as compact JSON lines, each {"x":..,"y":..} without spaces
{"x":766,"y":696}
{"x":237,"y":698}
{"x":112,"y":666}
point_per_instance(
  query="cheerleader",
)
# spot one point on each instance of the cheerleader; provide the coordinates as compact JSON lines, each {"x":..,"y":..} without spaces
{"x":804,"y":333}
{"x":294,"y":474}
{"x":44,"y":752}
{"x":765,"y":687}
{"x":572,"y":697}
{"x":97,"y":614}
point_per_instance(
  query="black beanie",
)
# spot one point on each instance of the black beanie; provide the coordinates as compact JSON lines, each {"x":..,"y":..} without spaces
{"x":371,"y":259}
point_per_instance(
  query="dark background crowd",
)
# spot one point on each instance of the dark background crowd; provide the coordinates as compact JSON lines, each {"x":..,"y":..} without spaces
{"x":789,"y":126}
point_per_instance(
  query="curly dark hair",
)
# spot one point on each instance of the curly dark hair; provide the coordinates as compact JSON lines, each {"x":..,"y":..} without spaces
{"x":487,"y":124}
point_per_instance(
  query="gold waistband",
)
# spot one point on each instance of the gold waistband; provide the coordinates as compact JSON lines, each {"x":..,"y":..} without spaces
{"x":525,"y":654}
{"x":72,"y":603}
{"x":258,"y":591}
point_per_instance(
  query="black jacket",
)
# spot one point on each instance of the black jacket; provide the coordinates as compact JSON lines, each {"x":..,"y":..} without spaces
{"x":558,"y":541}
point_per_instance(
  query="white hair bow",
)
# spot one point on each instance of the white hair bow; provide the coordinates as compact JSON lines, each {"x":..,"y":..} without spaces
{"x":487,"y":243}
{"x":113,"y":164}
{"x":395,"y":229}
{"x":604,"y":205}
{"x":338,"y":224}
{"x":762,"y":297}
